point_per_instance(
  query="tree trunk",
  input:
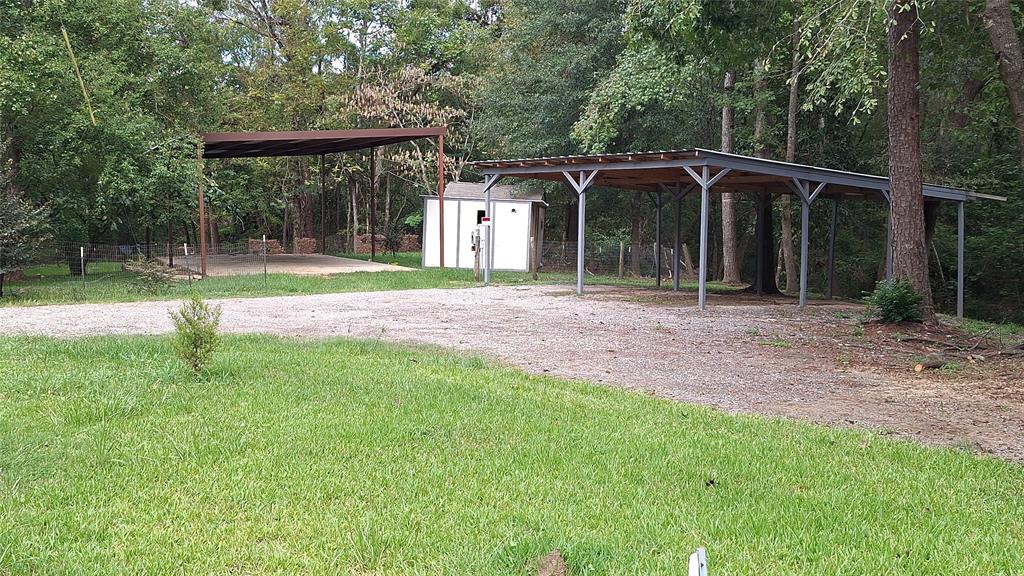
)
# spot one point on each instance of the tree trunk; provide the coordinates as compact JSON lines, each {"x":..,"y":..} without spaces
{"x":284,"y":217}
{"x":730,"y":253}
{"x":785,"y":202}
{"x":998,"y":21}
{"x":213,"y":232}
{"x":765,"y":229}
{"x":571,"y":215}
{"x":304,"y":212}
{"x":958,"y":118}
{"x":635,"y":219}
{"x":910,"y":254}
{"x":353,"y":186}
{"x":387,"y":200}
{"x":170,"y":243}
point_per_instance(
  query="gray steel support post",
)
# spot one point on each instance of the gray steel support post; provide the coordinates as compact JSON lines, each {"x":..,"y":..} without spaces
{"x":677,"y":244}
{"x":581,"y":238}
{"x":487,"y":237}
{"x":488,"y":240}
{"x":580,"y":187}
{"x":833,"y":225}
{"x":702,"y":275}
{"x":805,"y":230}
{"x":657,"y":240}
{"x":960,"y":262}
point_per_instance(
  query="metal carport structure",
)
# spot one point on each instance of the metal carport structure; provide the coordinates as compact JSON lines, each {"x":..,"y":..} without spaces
{"x":678,"y":172}
{"x":310,"y":143}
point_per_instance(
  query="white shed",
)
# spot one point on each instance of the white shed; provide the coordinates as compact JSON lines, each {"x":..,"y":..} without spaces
{"x":518,"y":216}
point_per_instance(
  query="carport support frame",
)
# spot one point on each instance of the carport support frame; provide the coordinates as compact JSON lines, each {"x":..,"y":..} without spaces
{"x":580,"y":185}
{"x":488,"y":245}
{"x":676,"y":243}
{"x":803,"y":190}
{"x":543,"y":168}
{"x":705,"y":181}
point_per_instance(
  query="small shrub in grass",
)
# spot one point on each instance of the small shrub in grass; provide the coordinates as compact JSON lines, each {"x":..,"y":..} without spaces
{"x":895,"y":301}
{"x":393,"y":237}
{"x":195,"y":332}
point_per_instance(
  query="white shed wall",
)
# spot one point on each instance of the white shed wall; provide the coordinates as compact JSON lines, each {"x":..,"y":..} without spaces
{"x":511,"y":223}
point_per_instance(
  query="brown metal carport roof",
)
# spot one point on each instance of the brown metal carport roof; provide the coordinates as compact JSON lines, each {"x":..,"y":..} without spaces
{"x":313,"y":143}
{"x":308,"y":143}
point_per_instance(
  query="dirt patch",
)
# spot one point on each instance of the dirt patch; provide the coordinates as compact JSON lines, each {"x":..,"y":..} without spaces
{"x":741,"y":354}
{"x":301,"y":264}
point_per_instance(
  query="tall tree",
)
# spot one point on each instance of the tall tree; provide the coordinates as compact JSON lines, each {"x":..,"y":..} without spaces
{"x":730,"y":255}
{"x":910,"y":255}
{"x":764,"y":282}
{"x":785,"y":202}
{"x":1002,"y":34}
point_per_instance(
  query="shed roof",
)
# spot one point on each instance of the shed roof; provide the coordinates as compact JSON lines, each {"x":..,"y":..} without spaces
{"x":651,"y":171}
{"x":475,"y":191}
{"x":308,"y":143}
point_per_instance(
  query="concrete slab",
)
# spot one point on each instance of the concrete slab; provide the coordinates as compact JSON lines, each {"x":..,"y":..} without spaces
{"x":301,"y":264}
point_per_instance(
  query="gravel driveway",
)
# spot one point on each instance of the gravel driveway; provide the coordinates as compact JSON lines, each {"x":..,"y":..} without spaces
{"x":718,"y":357}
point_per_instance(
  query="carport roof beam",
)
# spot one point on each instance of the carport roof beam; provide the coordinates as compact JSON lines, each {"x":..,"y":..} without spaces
{"x":308,"y":143}
{"x":646,"y":171}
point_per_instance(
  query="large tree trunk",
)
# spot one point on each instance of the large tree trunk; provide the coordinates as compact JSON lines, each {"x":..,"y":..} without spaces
{"x":1002,"y":35}
{"x":213,"y":232}
{"x":304,"y":209}
{"x":785,"y":203}
{"x":730,"y":255}
{"x":635,"y":219}
{"x":765,"y":230}
{"x":910,"y":255}
{"x":387,"y":200}
{"x":571,"y":215}
{"x":956,"y":120}
{"x":353,"y":212}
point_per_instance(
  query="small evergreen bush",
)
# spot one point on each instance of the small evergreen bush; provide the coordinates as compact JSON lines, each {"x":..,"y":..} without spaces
{"x":195,"y":332}
{"x":895,"y":301}
{"x":393,"y":237}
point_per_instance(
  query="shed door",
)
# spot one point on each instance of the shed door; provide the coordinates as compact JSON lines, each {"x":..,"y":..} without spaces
{"x":511,"y":229}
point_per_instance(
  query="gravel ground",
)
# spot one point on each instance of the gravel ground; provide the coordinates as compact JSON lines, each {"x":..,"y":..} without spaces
{"x":740,"y":358}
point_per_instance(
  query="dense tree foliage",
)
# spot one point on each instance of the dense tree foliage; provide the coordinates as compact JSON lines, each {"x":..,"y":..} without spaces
{"x":514,"y":78}
{"x":22,"y":225}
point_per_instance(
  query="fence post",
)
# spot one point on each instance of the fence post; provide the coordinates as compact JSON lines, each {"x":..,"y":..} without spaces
{"x":622,"y":259}
{"x":81,"y":257}
{"x":533,"y":257}
{"x":265,"y":281}
{"x":188,"y":264}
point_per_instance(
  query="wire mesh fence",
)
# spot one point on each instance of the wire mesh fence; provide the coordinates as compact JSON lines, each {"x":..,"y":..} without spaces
{"x":81,"y":262}
{"x":614,"y":259}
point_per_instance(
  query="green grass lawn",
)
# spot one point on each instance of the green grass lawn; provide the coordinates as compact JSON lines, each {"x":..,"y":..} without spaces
{"x":348,"y":457}
{"x":105,"y":282}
